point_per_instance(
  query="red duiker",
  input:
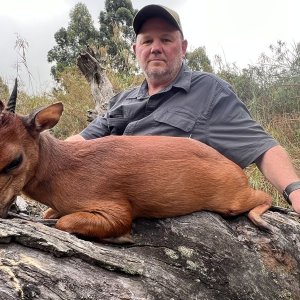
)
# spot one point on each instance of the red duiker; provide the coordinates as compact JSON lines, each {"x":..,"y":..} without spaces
{"x":98,"y":187}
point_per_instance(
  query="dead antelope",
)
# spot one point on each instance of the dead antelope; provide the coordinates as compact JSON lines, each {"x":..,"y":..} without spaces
{"x":98,"y":187}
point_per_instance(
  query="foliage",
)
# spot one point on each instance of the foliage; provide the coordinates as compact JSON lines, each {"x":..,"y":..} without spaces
{"x":278,"y":75}
{"x":74,"y":93}
{"x":21,"y":47}
{"x":197,"y":60}
{"x":242,"y":81}
{"x":76,"y":96}
{"x":79,"y":33}
{"x":117,"y":35}
{"x":121,"y":81}
{"x":284,"y":129}
{"x":113,"y":41}
{"x":272,"y":86}
{"x":4,"y":93}
{"x":271,"y":90}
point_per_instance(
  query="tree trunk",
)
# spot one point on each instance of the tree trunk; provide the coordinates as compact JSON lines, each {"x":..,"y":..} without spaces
{"x":101,"y":87}
{"x":198,"y":256}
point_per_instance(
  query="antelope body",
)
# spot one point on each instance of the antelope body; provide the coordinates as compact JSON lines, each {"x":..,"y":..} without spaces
{"x":98,"y":187}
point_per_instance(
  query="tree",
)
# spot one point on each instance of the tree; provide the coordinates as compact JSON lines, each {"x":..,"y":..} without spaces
{"x":198,"y":60}
{"x":271,"y":86}
{"x":117,"y":35}
{"x":278,"y":74}
{"x":243,"y":81}
{"x":79,"y":33}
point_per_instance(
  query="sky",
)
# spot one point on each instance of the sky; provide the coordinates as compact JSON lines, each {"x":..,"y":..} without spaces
{"x":237,"y":30}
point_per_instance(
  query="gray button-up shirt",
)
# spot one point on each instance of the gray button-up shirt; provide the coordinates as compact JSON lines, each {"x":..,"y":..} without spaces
{"x":196,"y":105}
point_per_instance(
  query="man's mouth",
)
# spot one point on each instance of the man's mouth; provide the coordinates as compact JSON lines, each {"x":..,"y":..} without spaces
{"x":156,"y":60}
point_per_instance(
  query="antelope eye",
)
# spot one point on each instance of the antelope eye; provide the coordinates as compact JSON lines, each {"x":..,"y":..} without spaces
{"x":12,"y":165}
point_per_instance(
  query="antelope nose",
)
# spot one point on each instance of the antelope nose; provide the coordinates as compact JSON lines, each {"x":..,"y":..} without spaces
{"x":4,"y":210}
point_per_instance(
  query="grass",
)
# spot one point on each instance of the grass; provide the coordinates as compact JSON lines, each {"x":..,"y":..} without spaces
{"x":285,"y":129}
{"x":258,"y":182}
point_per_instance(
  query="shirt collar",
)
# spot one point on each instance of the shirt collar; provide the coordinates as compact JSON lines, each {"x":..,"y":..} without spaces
{"x":182,"y":81}
{"x":184,"y":78}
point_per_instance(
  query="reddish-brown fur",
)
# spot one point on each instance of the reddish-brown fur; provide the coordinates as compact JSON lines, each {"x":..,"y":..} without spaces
{"x":97,"y":187}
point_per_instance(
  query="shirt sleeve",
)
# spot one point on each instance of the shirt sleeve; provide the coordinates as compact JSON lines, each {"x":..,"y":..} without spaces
{"x":232,"y":130}
{"x":102,"y":125}
{"x":97,"y":128}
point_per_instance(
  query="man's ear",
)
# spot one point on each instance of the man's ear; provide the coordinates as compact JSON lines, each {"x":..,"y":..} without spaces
{"x":184,"y":45}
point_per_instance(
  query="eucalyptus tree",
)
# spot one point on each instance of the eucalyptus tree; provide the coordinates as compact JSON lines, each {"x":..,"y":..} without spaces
{"x":198,"y":60}
{"x":117,"y":35}
{"x":71,"y":40}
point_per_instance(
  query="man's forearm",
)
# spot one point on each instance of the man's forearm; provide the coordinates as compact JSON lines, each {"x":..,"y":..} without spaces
{"x":277,"y":167}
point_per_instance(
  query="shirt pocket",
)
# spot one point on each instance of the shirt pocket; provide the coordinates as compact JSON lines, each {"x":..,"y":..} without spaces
{"x":179,"y":118}
{"x":116,"y":121}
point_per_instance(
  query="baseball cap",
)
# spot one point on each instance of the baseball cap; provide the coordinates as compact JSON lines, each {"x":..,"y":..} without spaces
{"x":154,"y":11}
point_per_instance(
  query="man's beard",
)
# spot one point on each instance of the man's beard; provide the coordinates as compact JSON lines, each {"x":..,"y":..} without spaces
{"x":159,"y":74}
{"x":163,"y":74}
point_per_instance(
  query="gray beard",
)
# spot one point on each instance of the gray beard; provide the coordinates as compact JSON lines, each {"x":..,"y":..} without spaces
{"x":164,"y":75}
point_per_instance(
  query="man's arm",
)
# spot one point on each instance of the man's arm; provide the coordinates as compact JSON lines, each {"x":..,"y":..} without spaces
{"x":277,"y":167}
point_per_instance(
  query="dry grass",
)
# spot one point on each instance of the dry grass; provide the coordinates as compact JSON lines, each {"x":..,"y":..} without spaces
{"x":74,"y":94}
{"x":258,"y":182}
{"x":286,"y":130}
{"x":121,"y":82}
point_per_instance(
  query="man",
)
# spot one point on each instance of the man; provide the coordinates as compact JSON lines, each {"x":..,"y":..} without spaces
{"x":177,"y":102}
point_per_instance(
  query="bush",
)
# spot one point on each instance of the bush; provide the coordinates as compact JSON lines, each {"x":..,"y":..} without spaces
{"x":74,"y":93}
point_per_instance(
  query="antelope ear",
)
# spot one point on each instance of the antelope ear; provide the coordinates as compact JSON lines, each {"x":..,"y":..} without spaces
{"x":45,"y":117}
{"x":1,"y":106}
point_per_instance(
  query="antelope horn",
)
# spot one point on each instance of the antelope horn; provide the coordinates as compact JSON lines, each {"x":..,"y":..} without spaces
{"x":11,"y":105}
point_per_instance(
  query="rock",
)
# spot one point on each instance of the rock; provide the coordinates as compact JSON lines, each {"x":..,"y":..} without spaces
{"x":21,"y":205}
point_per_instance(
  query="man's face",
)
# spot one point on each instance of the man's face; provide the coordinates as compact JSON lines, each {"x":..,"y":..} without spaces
{"x":159,"y":50}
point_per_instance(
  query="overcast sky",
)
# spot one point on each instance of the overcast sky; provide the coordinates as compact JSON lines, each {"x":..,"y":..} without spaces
{"x":238,"y":30}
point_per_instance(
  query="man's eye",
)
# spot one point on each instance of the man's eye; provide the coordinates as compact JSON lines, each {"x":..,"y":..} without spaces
{"x":12,"y":165}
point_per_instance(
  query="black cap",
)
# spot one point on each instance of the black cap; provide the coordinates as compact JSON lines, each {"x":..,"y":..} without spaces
{"x":156,"y":11}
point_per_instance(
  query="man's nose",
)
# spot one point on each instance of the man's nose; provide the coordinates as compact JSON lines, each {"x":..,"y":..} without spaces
{"x":156,"y":47}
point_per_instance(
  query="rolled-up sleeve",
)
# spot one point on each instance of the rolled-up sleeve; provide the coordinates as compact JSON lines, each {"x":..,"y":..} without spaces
{"x":232,"y":130}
